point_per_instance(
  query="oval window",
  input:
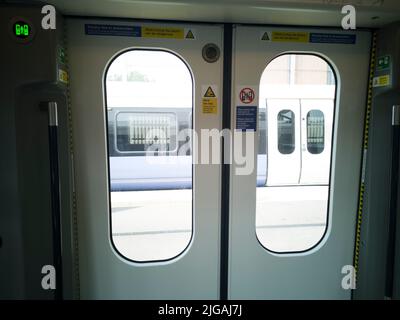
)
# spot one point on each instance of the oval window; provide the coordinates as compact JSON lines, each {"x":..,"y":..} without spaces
{"x":296,"y":108}
{"x":315,"y":131}
{"x":286,"y":132}
{"x":150,"y":192}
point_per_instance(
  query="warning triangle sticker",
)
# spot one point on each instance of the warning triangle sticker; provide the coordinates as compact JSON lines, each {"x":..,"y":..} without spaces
{"x":265,"y":37}
{"x":189,"y":35}
{"x":209,"y":93}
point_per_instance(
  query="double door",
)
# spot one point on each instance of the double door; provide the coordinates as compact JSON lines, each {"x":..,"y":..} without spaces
{"x":147,"y":100}
{"x":299,"y":139}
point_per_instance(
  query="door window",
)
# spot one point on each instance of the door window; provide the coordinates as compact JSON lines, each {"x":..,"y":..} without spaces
{"x":315,"y":131}
{"x":292,"y":213}
{"x":286,"y":131}
{"x":149,"y":96}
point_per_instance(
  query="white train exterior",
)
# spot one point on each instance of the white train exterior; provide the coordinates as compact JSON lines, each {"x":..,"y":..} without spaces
{"x":295,"y":138}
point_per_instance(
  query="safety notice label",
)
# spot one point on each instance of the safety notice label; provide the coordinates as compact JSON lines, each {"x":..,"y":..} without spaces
{"x":209,"y":100}
{"x":381,"y":81}
{"x":308,"y":37}
{"x":288,"y":36}
{"x":246,"y":118}
{"x":383,"y":63}
{"x":247,"y":95}
{"x":161,"y":32}
{"x":113,"y":30}
{"x":62,"y":76}
{"x":140,"y":31}
{"x":333,"y":38}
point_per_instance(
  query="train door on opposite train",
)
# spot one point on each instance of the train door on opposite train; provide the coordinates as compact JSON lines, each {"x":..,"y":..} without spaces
{"x":291,"y":236}
{"x":148,"y":223}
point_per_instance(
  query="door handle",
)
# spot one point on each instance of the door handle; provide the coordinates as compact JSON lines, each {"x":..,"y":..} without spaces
{"x":396,"y":115}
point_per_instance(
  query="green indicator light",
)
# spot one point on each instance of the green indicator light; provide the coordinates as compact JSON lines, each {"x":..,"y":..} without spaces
{"x":22,"y":30}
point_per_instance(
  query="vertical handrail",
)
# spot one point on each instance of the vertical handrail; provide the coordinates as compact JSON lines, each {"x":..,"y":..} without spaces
{"x":225,"y":170}
{"x":391,"y":250}
{"x":55,"y":197}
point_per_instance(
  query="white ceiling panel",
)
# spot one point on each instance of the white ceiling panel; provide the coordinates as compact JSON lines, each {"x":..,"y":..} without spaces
{"x":370,"y":13}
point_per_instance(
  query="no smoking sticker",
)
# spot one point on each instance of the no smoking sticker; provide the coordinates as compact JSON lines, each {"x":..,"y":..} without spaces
{"x":247,"y":95}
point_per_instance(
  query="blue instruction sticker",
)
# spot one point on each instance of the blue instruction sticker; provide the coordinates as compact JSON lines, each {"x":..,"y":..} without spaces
{"x":338,"y":38}
{"x":246,"y":118}
{"x":113,"y":30}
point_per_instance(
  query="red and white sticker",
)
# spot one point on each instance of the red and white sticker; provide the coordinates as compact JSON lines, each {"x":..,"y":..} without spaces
{"x":247,"y":95}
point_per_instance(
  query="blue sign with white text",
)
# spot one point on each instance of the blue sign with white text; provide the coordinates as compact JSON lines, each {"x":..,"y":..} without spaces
{"x":246,"y":118}
{"x":338,"y":38}
{"x":113,"y":30}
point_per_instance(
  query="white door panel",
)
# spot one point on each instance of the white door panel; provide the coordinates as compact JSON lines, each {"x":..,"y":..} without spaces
{"x":104,"y":273}
{"x":316,"y":128}
{"x":255,"y":272}
{"x":283,"y":152}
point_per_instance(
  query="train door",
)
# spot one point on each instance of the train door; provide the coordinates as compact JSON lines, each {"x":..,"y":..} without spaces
{"x":148,"y":213}
{"x":298,"y":152}
{"x":283,"y":157}
{"x":292,"y":238}
{"x":316,"y":132}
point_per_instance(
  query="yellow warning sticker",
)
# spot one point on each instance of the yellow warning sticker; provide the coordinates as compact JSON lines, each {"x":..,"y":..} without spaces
{"x":210,"y":105}
{"x":209,"y":100}
{"x":209,"y":93}
{"x":189,"y":34}
{"x":62,"y":76}
{"x":163,"y":32}
{"x":290,"y":36}
{"x":381,"y":81}
{"x":265,"y":36}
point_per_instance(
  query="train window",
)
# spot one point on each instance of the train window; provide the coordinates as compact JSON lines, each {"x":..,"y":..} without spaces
{"x":315,"y":131}
{"x":150,"y":180}
{"x":137,"y":131}
{"x":286,"y":132}
{"x":297,"y":104}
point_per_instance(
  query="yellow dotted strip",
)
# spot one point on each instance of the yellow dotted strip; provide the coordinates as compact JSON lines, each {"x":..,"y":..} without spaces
{"x":364,"y":156}
{"x":71,"y":150}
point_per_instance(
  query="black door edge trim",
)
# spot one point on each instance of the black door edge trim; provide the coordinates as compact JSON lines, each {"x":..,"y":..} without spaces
{"x":225,"y":171}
